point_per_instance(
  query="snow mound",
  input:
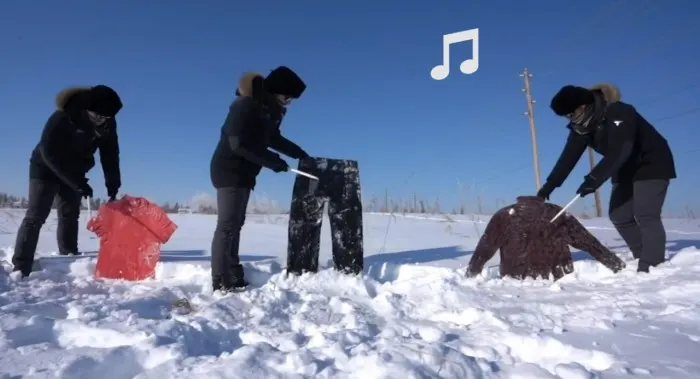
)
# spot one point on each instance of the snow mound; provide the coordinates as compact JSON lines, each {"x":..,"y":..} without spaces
{"x":407,"y":317}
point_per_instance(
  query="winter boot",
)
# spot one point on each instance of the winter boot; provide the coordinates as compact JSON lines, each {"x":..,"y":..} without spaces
{"x":226,"y":286}
{"x":25,"y":273}
{"x":643,"y":266}
{"x":233,"y":282}
{"x":238,"y":281}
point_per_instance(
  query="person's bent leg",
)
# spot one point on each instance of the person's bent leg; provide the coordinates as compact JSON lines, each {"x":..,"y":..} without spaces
{"x":41,"y":196}
{"x":68,"y":211}
{"x":226,"y":270}
{"x":621,"y":213}
{"x":649,"y":198}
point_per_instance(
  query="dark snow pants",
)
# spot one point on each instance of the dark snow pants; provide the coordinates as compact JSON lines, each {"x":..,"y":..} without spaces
{"x":339,"y":185}
{"x":41,"y":197}
{"x":635,"y":210}
{"x":226,"y":269}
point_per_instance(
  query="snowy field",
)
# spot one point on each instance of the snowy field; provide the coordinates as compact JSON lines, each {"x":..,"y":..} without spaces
{"x":413,"y":315}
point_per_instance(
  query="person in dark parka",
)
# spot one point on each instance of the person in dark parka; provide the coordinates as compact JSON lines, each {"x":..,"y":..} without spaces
{"x":82,"y":123}
{"x":636,"y":157}
{"x":251,"y":127}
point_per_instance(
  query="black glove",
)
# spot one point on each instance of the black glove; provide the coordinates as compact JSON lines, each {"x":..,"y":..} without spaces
{"x":546,"y":191}
{"x":303,"y":155}
{"x":588,"y":186}
{"x":279,"y":166}
{"x":85,"y":190}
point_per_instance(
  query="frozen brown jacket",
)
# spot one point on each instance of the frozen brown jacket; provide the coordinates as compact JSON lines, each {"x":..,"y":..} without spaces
{"x":532,"y":246}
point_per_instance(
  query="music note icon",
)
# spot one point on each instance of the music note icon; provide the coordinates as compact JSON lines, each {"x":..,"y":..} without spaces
{"x":468,"y":66}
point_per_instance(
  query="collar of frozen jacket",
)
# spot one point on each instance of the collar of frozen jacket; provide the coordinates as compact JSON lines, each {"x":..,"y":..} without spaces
{"x":536,"y":200}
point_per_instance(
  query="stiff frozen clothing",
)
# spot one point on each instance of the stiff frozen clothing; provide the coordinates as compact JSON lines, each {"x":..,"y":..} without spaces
{"x":532,"y":246}
{"x":339,"y":187}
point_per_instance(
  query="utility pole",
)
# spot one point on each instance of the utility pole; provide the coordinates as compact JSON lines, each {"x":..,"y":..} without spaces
{"x":533,"y":133}
{"x":598,"y":206}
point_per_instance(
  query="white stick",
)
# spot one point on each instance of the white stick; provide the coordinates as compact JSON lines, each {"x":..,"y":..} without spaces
{"x":88,"y":209}
{"x":561,"y":212}
{"x":302,"y":173}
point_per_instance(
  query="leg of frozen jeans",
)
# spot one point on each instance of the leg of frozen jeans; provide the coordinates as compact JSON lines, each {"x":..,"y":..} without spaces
{"x":304,"y":234}
{"x":345,"y":214}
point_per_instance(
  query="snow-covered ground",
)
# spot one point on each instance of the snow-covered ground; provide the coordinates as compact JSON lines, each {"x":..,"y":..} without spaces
{"x":413,"y":315}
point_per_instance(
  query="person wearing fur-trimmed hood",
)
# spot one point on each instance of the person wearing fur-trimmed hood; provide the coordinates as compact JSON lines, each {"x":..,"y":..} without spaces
{"x":251,"y":127}
{"x":636,"y":157}
{"x":83,"y":122}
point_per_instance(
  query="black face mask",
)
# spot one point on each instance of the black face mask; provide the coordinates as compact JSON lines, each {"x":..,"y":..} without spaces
{"x":589,"y":118}
{"x":580,"y":122}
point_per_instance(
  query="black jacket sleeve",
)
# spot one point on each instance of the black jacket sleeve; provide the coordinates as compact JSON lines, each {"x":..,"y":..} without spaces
{"x":573,"y":150}
{"x":239,"y":128}
{"x":287,"y":147}
{"x":51,"y":147}
{"x":109,"y":158}
{"x":621,"y":131}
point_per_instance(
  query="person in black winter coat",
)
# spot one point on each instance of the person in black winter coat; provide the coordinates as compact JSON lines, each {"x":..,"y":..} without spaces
{"x":83,"y":122}
{"x":636,"y":157}
{"x":251,"y":127}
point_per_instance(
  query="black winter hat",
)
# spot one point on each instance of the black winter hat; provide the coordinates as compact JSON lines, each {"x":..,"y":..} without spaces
{"x":569,"y":98}
{"x":104,"y":101}
{"x":284,"y":81}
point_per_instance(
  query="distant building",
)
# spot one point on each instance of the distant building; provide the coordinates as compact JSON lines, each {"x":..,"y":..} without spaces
{"x":184,"y":210}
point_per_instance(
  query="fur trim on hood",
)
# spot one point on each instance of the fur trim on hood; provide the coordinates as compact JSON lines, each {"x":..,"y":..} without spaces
{"x":245,"y":83}
{"x":610,"y":92}
{"x":65,"y":95}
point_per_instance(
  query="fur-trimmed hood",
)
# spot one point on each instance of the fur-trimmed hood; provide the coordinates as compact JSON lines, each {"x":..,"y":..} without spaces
{"x":100,"y":99}
{"x":610,"y":92}
{"x":246,"y":83}
{"x":281,"y":81}
{"x":69,"y":94}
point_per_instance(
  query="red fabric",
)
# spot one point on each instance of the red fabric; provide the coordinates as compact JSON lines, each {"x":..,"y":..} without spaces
{"x":131,"y":231}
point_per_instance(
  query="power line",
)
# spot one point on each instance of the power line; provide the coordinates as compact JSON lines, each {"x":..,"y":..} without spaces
{"x":670,"y":93}
{"x":605,"y":12}
{"x":504,"y":173}
{"x":530,"y":165}
{"x":636,"y":104}
{"x":660,"y":41}
{"x":526,"y":75}
{"x":677,"y":115}
{"x":690,"y":151}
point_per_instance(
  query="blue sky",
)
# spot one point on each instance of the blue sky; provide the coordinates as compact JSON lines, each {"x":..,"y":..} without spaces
{"x":370,"y":96}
